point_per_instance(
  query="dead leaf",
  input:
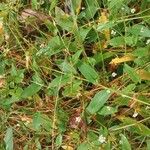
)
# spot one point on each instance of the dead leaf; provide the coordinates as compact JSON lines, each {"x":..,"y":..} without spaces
{"x":125,"y":58}
{"x":103,"y":19}
{"x":2,"y":81}
{"x":26,"y":13}
{"x":26,"y":119}
{"x":1,"y":27}
{"x":67,"y":147}
{"x":145,"y":75}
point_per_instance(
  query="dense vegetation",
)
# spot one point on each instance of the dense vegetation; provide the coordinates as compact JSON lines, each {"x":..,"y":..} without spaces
{"x":75,"y":74}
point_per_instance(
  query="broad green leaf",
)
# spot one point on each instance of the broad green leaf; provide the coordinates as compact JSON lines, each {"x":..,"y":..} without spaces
{"x":135,"y":126}
{"x":125,"y":145}
{"x":84,"y":146}
{"x":129,"y":88}
{"x":99,"y":57}
{"x":91,"y":8}
{"x":114,"y":7}
{"x":121,"y":41}
{"x":141,"y":52}
{"x":54,"y":46}
{"x":76,"y":4}
{"x":140,"y":30}
{"x":37,"y":121}
{"x":104,"y":26}
{"x":72,"y":89}
{"x":98,"y":101}
{"x":62,"y":120}
{"x":113,"y":4}
{"x":31,"y":90}
{"x":83,"y":32}
{"x":107,"y":110}
{"x":132,"y":74}
{"x":46,"y":122}
{"x":64,"y":20}
{"x":117,"y":41}
{"x":89,"y":73}
{"x":75,"y":57}
{"x":67,"y":67}
{"x":60,"y":81}
{"x":9,"y":139}
{"x":41,"y":121}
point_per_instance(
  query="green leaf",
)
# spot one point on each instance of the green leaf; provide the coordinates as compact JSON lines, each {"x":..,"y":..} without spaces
{"x":148,"y":144}
{"x":72,"y":89}
{"x":46,"y":122}
{"x":67,"y":67}
{"x":117,"y":41}
{"x":135,"y":127}
{"x":84,"y":146}
{"x":37,"y":121}
{"x":141,"y":52}
{"x":83,"y":32}
{"x":104,"y":26}
{"x":64,"y":20}
{"x":31,"y":90}
{"x":98,"y":101}
{"x":34,"y":4}
{"x":132,"y":73}
{"x":89,"y":73}
{"x":125,"y":145}
{"x":107,"y":110}
{"x":54,"y":46}
{"x":60,"y":81}
{"x":53,"y":4}
{"x":129,"y":88}
{"x":76,"y":4}
{"x":9,"y":139}
{"x":140,"y":30}
{"x":58,"y":141}
{"x":91,"y":8}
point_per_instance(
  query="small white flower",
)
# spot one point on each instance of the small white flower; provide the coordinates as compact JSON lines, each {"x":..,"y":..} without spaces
{"x":108,"y":108}
{"x":120,"y":142}
{"x":78,"y":119}
{"x":135,"y":114}
{"x":142,"y":30}
{"x":114,"y":74}
{"x":108,"y":91}
{"x":122,"y":8}
{"x":82,"y":8}
{"x":133,"y":10}
{"x":113,"y":32}
{"x":27,"y":122}
{"x":102,"y":139}
{"x":18,"y":125}
{"x":42,"y":45}
{"x":148,"y":41}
